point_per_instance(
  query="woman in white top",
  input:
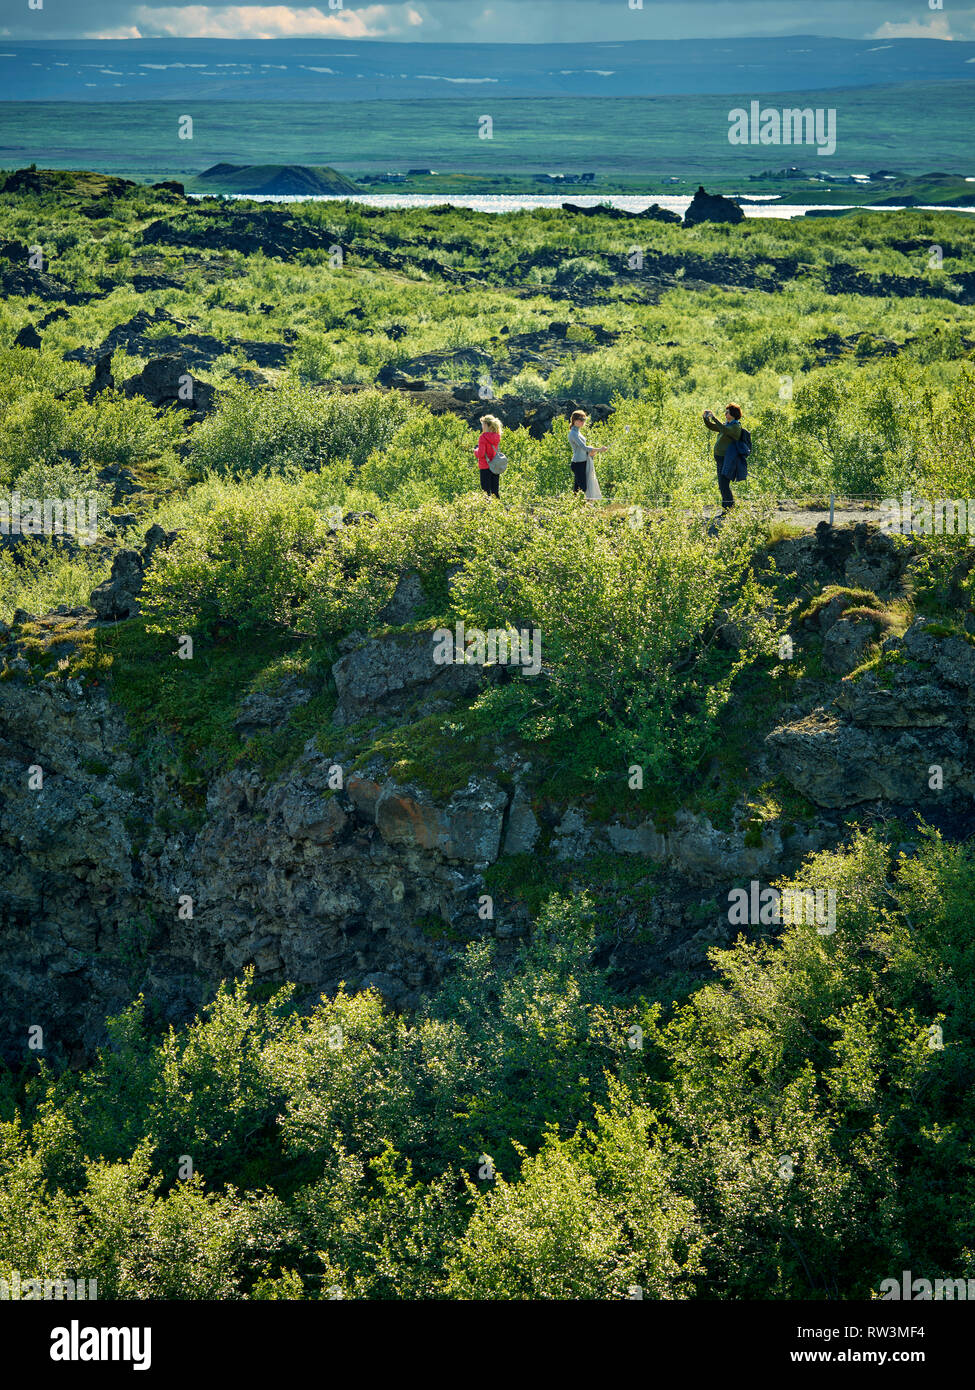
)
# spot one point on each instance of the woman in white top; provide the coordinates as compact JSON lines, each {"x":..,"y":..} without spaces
{"x":583,"y":473}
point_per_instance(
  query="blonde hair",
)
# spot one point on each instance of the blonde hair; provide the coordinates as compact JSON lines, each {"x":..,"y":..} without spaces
{"x":492,"y":423}
{"x":577,"y":415}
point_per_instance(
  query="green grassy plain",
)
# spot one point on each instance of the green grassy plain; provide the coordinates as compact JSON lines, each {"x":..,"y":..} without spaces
{"x":630,"y":142}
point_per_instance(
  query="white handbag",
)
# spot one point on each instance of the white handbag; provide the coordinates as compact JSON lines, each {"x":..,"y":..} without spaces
{"x":498,"y":464}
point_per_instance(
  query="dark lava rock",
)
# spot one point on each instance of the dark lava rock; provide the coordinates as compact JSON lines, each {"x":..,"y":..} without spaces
{"x":117,"y":597}
{"x":541,"y":350}
{"x":195,"y":349}
{"x":28,"y":337}
{"x":514,"y":412}
{"x":14,"y":250}
{"x":157,"y":538}
{"x":103,"y":379}
{"x":407,"y":601}
{"x":270,"y":710}
{"x":165,"y":381}
{"x":129,"y":335}
{"x":26,"y":283}
{"x":711,"y":207}
{"x":270,"y":230}
{"x":846,"y":279}
{"x":654,"y":213}
{"x":142,"y":284}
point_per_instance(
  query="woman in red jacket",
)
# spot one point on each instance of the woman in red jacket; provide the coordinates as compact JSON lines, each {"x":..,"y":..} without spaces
{"x":487,"y":446}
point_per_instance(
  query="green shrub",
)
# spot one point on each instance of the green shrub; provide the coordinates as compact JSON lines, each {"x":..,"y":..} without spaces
{"x":244,"y":558}
{"x":43,"y":577}
{"x":582,"y":268}
{"x":592,"y":1217}
{"x":528,"y":384}
{"x":789,"y":1132}
{"x":427,"y":457}
{"x":623,"y":613}
{"x":295,"y":426}
{"x":770,"y":350}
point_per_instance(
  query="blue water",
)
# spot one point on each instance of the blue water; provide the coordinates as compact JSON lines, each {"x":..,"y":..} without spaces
{"x":340,"y":70}
{"x":513,"y":203}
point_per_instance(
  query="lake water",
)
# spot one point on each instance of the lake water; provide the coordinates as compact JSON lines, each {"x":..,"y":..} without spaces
{"x":678,"y":203}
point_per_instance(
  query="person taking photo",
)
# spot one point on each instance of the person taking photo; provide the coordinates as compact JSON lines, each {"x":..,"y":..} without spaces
{"x":726,"y":450}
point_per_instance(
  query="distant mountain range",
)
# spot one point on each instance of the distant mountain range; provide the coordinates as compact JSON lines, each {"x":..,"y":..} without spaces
{"x":310,"y":70}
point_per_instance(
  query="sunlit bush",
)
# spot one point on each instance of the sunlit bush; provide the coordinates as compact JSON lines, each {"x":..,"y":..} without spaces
{"x":295,"y":426}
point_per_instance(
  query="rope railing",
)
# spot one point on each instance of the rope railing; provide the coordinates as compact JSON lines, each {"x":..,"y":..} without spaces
{"x":831,"y":502}
{"x":810,"y":499}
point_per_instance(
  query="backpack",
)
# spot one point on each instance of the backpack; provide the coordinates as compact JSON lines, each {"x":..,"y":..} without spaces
{"x":745,"y":444}
{"x":498,"y":464}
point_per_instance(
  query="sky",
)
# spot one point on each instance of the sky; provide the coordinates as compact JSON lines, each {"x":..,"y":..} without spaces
{"x":494,"y":21}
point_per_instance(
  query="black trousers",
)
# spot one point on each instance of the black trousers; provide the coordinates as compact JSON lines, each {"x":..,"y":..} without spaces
{"x":490,"y":482}
{"x":727,"y":497}
{"x":579,"y":475}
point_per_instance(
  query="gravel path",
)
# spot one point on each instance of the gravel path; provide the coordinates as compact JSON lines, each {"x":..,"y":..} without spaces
{"x":846,"y":515}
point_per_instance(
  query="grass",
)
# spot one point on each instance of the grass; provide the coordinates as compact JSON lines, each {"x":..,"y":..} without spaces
{"x":883,"y":619}
{"x":435,"y":752}
{"x":783,"y":531}
{"x":613,"y":881}
{"x":181,"y":713}
{"x":943,"y":629}
{"x":865,"y":599}
{"x":609,"y":135}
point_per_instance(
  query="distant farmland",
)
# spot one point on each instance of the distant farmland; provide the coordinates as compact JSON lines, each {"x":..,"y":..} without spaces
{"x":629,"y":138}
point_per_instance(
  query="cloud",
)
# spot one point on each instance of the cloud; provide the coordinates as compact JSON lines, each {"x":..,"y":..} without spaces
{"x":493,"y":21}
{"x":203,"y":21}
{"x":937,"y":27}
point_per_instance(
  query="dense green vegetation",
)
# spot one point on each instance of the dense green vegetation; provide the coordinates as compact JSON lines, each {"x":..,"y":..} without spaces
{"x":843,"y":378}
{"x":787,"y":1130}
{"x":854,"y":393}
{"x":798,"y":1128}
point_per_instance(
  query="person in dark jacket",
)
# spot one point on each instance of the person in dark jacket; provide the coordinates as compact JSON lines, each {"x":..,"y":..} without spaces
{"x":728,"y":434}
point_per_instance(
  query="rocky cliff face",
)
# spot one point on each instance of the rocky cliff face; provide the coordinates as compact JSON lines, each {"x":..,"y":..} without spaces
{"x":908,"y":739}
{"x":322,"y":875}
{"x":334,"y":871}
{"x":301,"y":880}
